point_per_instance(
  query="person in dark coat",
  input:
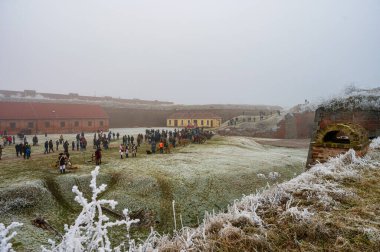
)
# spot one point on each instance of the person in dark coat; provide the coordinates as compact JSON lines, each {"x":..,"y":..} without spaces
{"x":98,"y":156}
{"x":46,"y":147}
{"x":62,"y":162}
{"x":51,"y":146}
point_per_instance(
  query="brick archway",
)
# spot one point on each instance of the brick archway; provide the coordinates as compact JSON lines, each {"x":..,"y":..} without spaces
{"x":342,"y":133}
{"x":336,"y":139}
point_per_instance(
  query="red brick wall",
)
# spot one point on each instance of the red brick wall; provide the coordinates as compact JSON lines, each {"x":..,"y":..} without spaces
{"x":296,"y":125}
{"x":55,"y":126}
{"x":368,"y":119}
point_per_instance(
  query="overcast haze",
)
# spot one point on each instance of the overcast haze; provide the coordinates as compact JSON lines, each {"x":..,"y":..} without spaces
{"x":191,"y":52}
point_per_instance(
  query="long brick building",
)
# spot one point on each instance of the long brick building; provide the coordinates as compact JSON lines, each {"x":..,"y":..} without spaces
{"x":39,"y":118}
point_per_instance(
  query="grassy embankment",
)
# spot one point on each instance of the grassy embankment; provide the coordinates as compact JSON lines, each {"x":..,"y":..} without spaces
{"x":198,"y":177}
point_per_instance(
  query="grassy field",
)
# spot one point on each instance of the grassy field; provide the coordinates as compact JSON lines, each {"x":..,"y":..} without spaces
{"x":199,"y":178}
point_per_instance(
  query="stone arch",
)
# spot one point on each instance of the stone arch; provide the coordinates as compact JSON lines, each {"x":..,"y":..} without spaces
{"x":342,"y":133}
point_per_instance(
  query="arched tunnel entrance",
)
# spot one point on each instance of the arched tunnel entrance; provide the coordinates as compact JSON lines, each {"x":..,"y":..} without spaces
{"x":336,"y":139}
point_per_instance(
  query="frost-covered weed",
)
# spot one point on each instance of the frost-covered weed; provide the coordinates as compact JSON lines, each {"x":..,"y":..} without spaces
{"x":261,"y":176}
{"x":274,"y":175}
{"x":6,"y":236}
{"x":297,"y":213}
{"x":90,"y":230}
{"x":354,"y":98}
{"x":375,"y":143}
{"x":372,"y":233}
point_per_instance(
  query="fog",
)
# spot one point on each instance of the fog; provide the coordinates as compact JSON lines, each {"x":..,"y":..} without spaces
{"x":191,"y":52}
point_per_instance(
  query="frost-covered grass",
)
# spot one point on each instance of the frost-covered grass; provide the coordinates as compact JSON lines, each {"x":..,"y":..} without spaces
{"x":333,"y":206}
{"x":324,"y":208}
{"x":199,"y":178}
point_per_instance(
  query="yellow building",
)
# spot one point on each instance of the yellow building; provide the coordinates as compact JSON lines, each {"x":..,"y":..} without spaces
{"x":194,"y":119}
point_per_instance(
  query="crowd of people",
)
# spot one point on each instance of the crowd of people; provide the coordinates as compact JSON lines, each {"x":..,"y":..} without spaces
{"x":160,"y":141}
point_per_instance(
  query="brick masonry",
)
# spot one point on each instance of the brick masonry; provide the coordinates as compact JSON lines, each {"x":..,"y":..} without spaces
{"x":364,"y":122}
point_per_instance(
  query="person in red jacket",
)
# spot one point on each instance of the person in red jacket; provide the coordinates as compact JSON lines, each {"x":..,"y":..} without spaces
{"x":161,"y":146}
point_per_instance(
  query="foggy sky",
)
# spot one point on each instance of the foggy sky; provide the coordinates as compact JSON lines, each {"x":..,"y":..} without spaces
{"x":191,"y":52}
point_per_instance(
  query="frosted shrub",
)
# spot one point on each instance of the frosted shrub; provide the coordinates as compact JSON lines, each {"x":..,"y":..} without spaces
{"x":375,"y":144}
{"x":5,"y":237}
{"x":372,"y":233}
{"x":90,"y":230}
{"x":274,"y":175}
{"x":261,"y":176}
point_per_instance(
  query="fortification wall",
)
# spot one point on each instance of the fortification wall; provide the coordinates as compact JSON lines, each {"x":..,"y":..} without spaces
{"x":369,"y":119}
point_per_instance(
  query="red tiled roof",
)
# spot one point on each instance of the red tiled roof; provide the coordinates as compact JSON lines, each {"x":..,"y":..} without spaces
{"x":193,"y":115}
{"x":34,"y":110}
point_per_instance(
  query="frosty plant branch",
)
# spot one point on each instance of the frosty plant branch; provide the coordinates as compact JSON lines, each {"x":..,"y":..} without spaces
{"x":90,"y":230}
{"x":5,"y":237}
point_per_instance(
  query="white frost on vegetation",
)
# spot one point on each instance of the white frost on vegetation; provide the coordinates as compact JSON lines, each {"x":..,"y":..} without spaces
{"x":375,"y":144}
{"x":274,"y":175}
{"x":262,"y":176}
{"x":6,"y":236}
{"x":354,"y":98}
{"x":90,"y":230}
{"x":320,"y":185}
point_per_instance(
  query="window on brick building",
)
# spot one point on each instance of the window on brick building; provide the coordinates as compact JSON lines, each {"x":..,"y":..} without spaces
{"x":63,"y":124}
{"x":101,"y":123}
{"x":202,"y":122}
{"x":12,"y":125}
{"x":76,"y":124}
{"x":207,"y":122}
{"x":89,"y":123}
{"x":47,"y":124}
{"x":30,"y":124}
{"x":170,"y":122}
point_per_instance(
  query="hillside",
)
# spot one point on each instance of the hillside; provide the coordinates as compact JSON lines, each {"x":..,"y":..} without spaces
{"x":333,"y":206}
{"x":199,"y":177}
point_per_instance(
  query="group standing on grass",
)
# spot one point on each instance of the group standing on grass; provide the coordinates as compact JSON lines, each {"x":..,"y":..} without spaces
{"x":125,"y":149}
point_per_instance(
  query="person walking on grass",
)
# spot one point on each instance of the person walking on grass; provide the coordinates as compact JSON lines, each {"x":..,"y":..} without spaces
{"x":62,"y":162}
{"x":28,"y":151}
{"x":98,"y":156}
{"x":126,"y":151}
{"x":51,"y":146}
{"x":121,"y":150}
{"x":161,"y":146}
{"x":46,"y":147}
